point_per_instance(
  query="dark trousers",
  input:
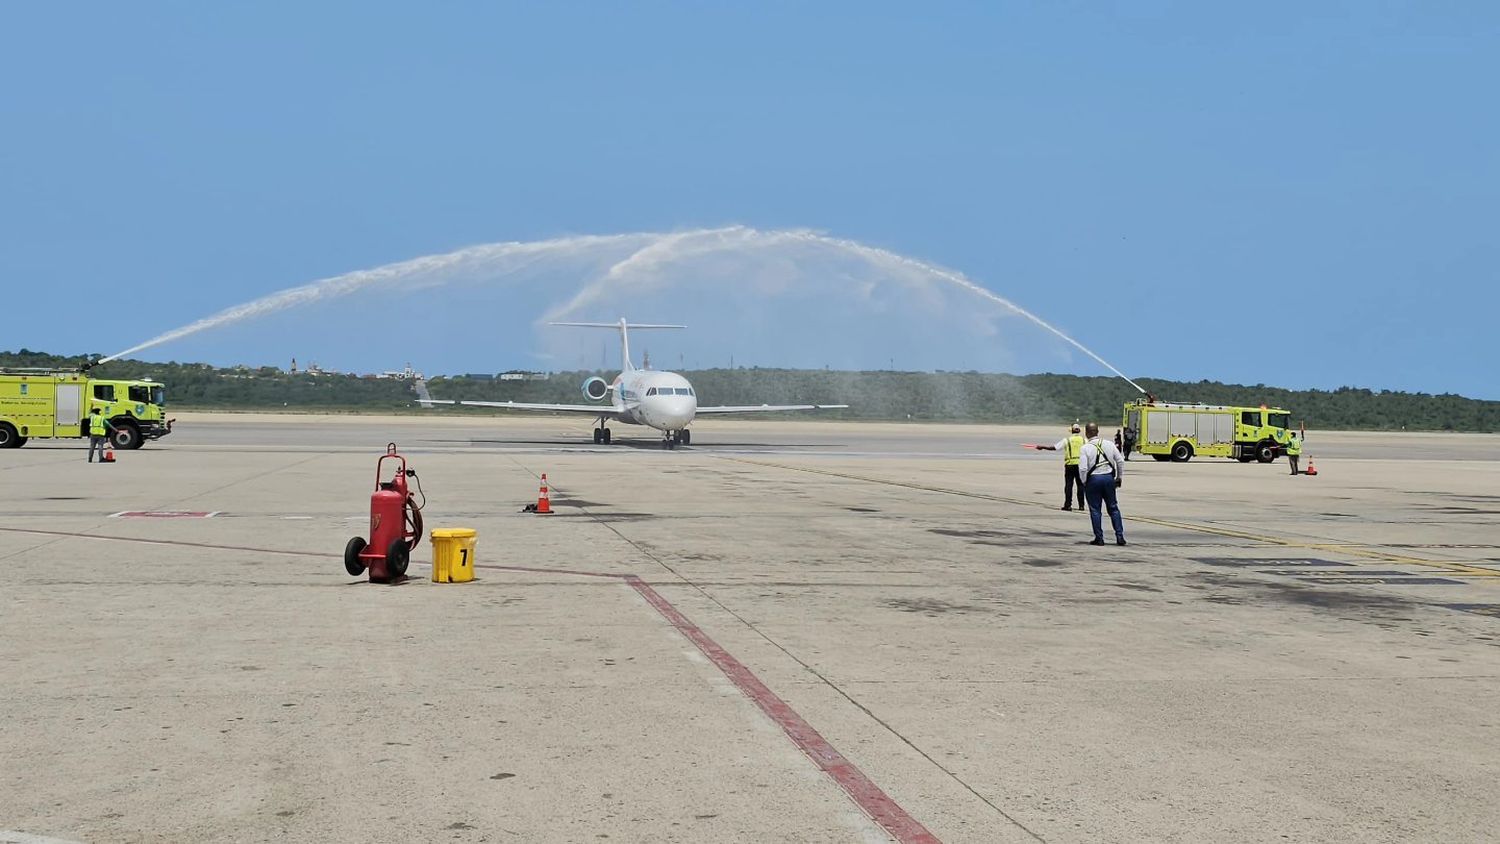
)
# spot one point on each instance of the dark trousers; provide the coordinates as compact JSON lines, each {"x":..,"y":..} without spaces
{"x":1129,"y":447}
{"x":1072,"y":479}
{"x":96,"y":443}
{"x":1101,"y":489}
{"x":1292,"y":459}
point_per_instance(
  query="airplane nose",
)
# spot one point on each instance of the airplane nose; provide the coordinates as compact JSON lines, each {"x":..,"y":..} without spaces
{"x":675,"y":412}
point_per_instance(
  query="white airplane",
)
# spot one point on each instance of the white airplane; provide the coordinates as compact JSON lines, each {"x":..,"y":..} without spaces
{"x":661,"y":400}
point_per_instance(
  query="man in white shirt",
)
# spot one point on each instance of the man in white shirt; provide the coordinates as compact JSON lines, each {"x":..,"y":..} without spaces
{"x":1102,"y":469}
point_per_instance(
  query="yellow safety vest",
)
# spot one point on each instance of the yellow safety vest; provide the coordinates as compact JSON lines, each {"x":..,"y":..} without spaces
{"x":96,"y":425}
{"x":1072,"y":449}
{"x":1294,"y":447}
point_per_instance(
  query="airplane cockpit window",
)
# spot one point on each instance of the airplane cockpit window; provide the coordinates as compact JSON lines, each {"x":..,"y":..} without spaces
{"x":684,"y":391}
{"x":651,"y":391}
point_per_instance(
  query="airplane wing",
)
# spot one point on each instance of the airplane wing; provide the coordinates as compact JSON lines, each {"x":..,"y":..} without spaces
{"x":588,"y":409}
{"x":767,"y":408}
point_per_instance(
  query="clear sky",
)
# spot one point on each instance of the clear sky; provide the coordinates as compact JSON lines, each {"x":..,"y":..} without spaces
{"x":1304,"y":194}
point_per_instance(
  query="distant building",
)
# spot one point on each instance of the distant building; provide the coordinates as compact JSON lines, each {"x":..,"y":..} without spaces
{"x":407,"y":374}
{"x":522,"y":375}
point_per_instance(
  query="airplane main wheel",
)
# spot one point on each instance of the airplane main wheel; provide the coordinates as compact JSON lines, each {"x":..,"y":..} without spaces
{"x":598,"y":436}
{"x":606,"y":436}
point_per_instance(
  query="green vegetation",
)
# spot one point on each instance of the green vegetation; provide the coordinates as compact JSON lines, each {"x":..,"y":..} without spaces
{"x":876,"y":395}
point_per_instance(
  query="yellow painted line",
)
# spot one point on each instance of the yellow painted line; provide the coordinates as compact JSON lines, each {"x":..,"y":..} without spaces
{"x":1232,"y":533}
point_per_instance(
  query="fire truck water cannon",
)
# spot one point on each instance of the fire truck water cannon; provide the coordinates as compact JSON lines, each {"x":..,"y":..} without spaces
{"x":395,"y":524}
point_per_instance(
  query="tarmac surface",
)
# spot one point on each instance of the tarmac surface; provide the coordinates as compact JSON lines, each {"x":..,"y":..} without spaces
{"x":790,"y":631}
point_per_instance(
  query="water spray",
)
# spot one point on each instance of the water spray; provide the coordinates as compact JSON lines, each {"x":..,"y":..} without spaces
{"x":645,"y":252}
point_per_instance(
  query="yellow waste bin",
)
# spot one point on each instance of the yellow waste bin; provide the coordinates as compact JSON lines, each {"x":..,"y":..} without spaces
{"x":453,"y":554}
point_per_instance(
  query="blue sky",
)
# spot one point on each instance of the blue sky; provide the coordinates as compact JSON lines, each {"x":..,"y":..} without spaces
{"x":1297,"y":194}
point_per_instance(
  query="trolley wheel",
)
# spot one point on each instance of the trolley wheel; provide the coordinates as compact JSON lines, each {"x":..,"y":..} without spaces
{"x":396,"y":558}
{"x":352,"y":563}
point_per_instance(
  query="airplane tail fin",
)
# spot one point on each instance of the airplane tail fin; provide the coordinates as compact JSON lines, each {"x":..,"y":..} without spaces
{"x":624,"y":329}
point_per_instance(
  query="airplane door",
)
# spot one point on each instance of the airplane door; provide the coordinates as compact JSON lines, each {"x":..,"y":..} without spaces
{"x":69,"y":410}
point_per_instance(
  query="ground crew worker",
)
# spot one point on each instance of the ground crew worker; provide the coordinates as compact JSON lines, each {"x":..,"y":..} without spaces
{"x":99,"y":429}
{"x":1293,"y":451}
{"x":1130,"y":436}
{"x":1103,"y":470}
{"x":1071,"y":446}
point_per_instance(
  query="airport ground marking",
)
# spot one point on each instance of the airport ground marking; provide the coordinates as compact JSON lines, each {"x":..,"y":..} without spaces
{"x":868,"y":796}
{"x":1232,"y":533}
{"x":177,"y":542}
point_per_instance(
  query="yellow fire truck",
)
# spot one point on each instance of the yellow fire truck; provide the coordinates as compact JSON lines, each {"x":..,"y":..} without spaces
{"x":52,"y":403}
{"x":1170,"y":431}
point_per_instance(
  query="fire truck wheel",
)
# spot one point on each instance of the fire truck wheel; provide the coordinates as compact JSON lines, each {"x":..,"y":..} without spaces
{"x":1265,"y":452}
{"x":8,"y":436}
{"x":1182,"y":451}
{"x":126,"y":436}
{"x":352,"y":563}
{"x":396,"y":558}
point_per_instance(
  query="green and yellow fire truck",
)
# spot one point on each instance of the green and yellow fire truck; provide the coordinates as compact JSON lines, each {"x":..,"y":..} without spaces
{"x":1170,"y":431}
{"x":55,"y":404}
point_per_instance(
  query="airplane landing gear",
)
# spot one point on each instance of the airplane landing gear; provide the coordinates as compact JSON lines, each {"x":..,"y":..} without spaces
{"x":601,"y":434}
{"x":676,"y":438}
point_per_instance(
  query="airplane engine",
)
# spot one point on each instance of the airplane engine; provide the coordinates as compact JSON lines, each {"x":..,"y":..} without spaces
{"x":595,"y":388}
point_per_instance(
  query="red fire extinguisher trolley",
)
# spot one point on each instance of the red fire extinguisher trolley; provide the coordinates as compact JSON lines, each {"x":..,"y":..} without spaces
{"x":395,"y":525}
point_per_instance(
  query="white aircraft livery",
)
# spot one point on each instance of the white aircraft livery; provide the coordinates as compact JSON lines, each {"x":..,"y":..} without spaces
{"x":661,"y":400}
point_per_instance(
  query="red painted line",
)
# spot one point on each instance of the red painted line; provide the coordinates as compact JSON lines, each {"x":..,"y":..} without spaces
{"x":860,"y":788}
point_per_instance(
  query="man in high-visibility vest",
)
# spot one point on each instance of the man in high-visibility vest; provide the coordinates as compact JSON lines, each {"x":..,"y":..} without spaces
{"x":1293,"y":451}
{"x":99,"y":429}
{"x":1071,"y":446}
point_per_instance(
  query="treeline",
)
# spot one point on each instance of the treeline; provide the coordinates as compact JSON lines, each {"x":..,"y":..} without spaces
{"x":196,"y":385}
{"x":872,"y":395}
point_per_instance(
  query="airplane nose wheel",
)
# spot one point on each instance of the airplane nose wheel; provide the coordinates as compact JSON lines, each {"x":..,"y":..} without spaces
{"x":601,"y":436}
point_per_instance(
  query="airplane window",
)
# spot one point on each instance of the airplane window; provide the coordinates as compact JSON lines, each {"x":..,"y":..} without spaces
{"x":690,"y":392}
{"x":684,"y":391}
{"x":651,"y":391}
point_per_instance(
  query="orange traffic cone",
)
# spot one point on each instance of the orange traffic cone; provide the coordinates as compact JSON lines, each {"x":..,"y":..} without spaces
{"x":543,"y":502}
{"x":109,"y":455}
{"x":1311,"y":469}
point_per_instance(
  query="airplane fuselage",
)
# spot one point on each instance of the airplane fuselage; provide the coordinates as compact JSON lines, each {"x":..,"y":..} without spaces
{"x":661,"y":400}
